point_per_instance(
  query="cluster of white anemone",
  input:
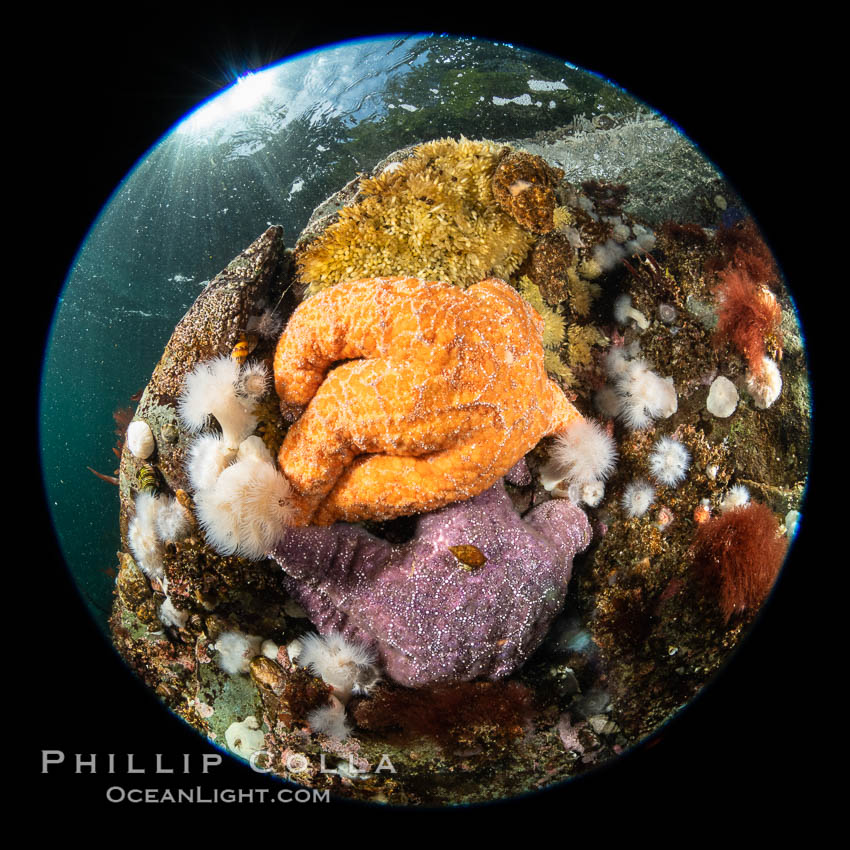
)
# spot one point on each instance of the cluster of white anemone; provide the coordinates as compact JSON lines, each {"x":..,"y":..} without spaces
{"x":158,"y":520}
{"x":242,"y":502}
{"x":636,"y":395}
{"x":581,"y":457}
{"x":347,"y":666}
{"x":669,"y":461}
{"x":625,"y":241}
{"x":221,"y":388}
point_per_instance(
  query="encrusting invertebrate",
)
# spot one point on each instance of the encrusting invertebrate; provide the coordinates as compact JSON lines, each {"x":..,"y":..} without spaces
{"x":140,"y":440}
{"x":431,"y":215}
{"x":443,"y":391}
{"x":669,"y":461}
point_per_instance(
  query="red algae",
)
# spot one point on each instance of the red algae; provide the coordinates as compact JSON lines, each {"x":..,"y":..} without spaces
{"x":738,"y":555}
{"x":748,"y":313}
{"x":742,"y":247}
{"x":450,"y":713}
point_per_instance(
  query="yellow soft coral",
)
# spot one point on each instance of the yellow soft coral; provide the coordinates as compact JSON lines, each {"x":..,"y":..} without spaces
{"x":580,"y":338}
{"x":432,"y":216}
{"x":554,"y":327}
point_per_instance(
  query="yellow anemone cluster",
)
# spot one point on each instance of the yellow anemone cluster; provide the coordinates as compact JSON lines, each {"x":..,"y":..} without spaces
{"x":582,"y":292}
{"x":554,"y":326}
{"x":554,"y":329}
{"x":580,"y":339}
{"x":431,"y":216}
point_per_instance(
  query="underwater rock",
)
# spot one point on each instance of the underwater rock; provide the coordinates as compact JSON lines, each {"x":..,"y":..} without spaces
{"x":667,"y":176}
{"x":477,"y":588}
{"x":220,"y":313}
{"x":430,"y":620}
{"x":548,"y":265}
{"x":212,"y":326}
{"x":524,"y":186}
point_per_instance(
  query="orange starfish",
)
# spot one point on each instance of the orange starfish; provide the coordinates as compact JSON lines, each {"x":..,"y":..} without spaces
{"x":442,"y":391}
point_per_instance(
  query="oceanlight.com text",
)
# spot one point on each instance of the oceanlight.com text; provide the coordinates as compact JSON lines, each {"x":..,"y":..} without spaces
{"x":118,"y":794}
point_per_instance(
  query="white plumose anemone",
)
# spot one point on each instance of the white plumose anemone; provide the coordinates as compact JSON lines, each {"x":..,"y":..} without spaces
{"x":172,"y":520}
{"x":157,"y":520}
{"x":145,"y":543}
{"x":792,"y":522}
{"x":212,"y":389}
{"x":253,"y":448}
{"x":172,"y":616}
{"x":330,"y":720}
{"x":584,"y":453}
{"x":623,"y":311}
{"x":638,"y":497}
{"x":348,"y":667}
{"x":235,"y":650}
{"x":209,"y":456}
{"x":669,"y":462}
{"x":646,"y":396}
{"x":270,"y":649}
{"x":641,"y":394}
{"x":248,"y":509}
{"x":736,"y":497}
{"x":766,"y":387}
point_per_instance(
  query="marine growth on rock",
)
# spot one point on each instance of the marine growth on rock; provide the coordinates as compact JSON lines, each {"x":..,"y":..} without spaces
{"x":379,"y":548}
{"x":433,"y":216}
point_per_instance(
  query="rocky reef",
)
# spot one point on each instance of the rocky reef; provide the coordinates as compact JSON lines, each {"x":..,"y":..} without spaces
{"x":511,"y":640}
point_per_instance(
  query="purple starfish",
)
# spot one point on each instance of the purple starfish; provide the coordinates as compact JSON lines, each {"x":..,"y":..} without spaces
{"x":430,"y":617}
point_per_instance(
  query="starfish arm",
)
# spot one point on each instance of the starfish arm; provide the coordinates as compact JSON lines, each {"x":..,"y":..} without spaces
{"x":383,"y":486}
{"x":443,"y":391}
{"x":563,"y":413}
{"x":373,"y":407}
{"x":355,"y":320}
